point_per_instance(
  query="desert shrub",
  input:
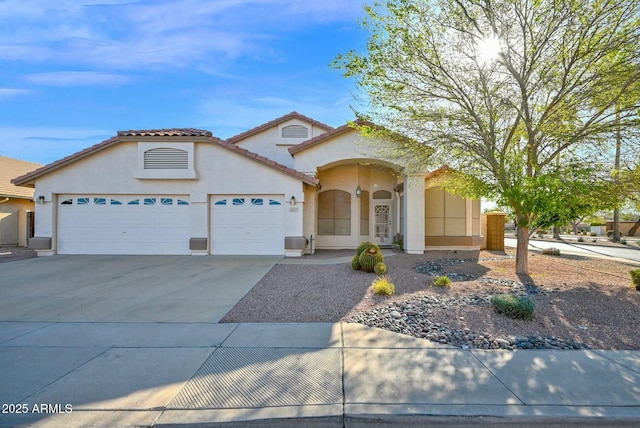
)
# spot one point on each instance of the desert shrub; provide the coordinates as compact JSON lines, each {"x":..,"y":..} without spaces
{"x":580,"y":239}
{"x":442,"y":281}
{"x":593,"y":234}
{"x":635,"y":278}
{"x":369,"y":258}
{"x":365,"y":246}
{"x":517,"y":307}
{"x":380,"y":268}
{"x":382,"y":285}
{"x":355,"y":263}
{"x":552,"y":251}
{"x":609,"y":233}
{"x":594,"y":240}
{"x":623,"y":241}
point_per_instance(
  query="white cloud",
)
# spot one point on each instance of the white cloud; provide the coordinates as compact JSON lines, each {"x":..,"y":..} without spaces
{"x":9,"y":92}
{"x":127,"y":35}
{"x":77,"y":78}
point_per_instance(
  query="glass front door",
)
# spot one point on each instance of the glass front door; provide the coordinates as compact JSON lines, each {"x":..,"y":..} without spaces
{"x":382,"y":225}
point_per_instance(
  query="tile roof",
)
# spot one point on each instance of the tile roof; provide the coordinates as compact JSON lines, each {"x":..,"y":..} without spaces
{"x":10,"y":168}
{"x":201,"y":136}
{"x":175,"y":132}
{"x":275,"y":122}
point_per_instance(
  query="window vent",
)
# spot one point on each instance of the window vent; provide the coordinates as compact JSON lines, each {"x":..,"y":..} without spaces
{"x":295,"y":131}
{"x":166,"y":158}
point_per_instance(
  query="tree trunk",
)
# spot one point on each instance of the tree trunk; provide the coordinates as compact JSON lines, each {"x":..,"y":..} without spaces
{"x":616,"y":225}
{"x":522,"y":250}
{"x":616,"y":166}
{"x":556,"y":231}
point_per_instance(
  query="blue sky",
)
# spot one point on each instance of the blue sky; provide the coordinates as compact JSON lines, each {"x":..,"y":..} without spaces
{"x":74,"y":72}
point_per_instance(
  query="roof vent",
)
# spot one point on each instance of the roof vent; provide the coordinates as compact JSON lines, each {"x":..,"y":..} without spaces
{"x":295,"y":131}
{"x":166,"y":158}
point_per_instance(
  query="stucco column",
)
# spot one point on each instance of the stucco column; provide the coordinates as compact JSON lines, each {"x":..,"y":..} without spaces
{"x":468,"y":217}
{"x":199,"y":240}
{"x":414,"y":214}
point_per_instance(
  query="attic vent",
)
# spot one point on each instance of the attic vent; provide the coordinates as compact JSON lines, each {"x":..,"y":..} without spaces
{"x":295,"y":131}
{"x":166,"y":158}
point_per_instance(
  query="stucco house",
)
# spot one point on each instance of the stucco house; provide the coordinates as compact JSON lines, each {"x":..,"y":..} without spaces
{"x":16,"y":203}
{"x":287,"y":187}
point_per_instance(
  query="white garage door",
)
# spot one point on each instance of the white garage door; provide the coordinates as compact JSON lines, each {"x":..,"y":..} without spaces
{"x":114,"y":224}
{"x":247,"y":224}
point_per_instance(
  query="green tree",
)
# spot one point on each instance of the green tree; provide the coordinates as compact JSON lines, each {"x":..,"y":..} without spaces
{"x":504,"y":91}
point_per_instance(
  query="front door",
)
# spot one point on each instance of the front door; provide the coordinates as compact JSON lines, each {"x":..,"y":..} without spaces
{"x":382,"y":223}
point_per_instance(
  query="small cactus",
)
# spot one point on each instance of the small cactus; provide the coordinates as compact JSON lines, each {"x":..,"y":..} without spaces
{"x":365,"y":246}
{"x":369,"y":258}
{"x":355,"y":263}
{"x":380,"y":268}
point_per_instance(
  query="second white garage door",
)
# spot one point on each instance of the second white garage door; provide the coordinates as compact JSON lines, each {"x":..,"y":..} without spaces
{"x":247,"y":224}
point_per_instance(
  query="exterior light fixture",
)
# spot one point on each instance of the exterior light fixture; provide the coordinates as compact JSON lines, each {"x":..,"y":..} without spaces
{"x":292,"y":201}
{"x":40,"y":200}
{"x":358,"y":191}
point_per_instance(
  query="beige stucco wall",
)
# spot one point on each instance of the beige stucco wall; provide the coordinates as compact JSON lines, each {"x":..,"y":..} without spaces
{"x":13,"y":221}
{"x":269,"y":143}
{"x":218,"y":171}
{"x":450,"y":215}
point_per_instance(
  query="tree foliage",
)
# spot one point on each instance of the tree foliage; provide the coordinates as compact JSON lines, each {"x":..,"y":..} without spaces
{"x":519,"y":94}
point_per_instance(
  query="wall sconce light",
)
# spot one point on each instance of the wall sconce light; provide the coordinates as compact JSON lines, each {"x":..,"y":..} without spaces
{"x":40,"y":200}
{"x":358,"y":191}
{"x":292,"y":201}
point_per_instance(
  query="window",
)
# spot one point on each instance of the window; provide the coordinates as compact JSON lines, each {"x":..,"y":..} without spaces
{"x":238,"y":201}
{"x":334,"y":213}
{"x":134,"y":202}
{"x":295,"y":131}
{"x":83,"y":201}
{"x":149,"y":201}
{"x":67,"y":202}
{"x":166,"y":201}
{"x":364,"y":213}
{"x":272,"y":202}
{"x":381,"y":194}
{"x":222,"y":202}
{"x":115,"y":202}
{"x":181,"y":202}
{"x":100,"y":201}
{"x":166,"y":158}
{"x":257,"y":201}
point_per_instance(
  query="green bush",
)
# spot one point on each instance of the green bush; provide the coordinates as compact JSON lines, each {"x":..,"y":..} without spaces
{"x":635,"y":277}
{"x":369,"y":258}
{"x":593,"y":234}
{"x":442,"y":281}
{"x":383,"y":286}
{"x":609,"y":233}
{"x":365,"y":246}
{"x":355,"y":263}
{"x":580,"y":239}
{"x":380,"y":268}
{"x":517,"y":307}
{"x":552,"y":251}
{"x":623,"y":241}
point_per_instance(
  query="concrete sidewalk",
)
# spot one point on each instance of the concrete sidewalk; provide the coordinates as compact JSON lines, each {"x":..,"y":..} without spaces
{"x":163,"y":374}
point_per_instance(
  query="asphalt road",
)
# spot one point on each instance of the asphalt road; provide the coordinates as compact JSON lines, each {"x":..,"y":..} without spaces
{"x":630,"y":253}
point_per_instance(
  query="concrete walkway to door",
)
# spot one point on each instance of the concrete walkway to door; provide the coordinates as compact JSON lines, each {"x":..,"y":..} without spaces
{"x":127,"y":288}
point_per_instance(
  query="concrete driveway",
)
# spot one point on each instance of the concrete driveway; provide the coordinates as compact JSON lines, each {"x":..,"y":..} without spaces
{"x":127,"y":288}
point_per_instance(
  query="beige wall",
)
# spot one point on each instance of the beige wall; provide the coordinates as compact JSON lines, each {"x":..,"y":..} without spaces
{"x":13,"y":221}
{"x":450,"y":215}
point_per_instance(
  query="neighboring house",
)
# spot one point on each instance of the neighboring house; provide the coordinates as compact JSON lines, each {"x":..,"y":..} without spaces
{"x":16,"y":203}
{"x":287,"y":187}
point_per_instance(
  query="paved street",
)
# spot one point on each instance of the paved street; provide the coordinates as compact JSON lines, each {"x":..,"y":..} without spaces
{"x":632,"y":253}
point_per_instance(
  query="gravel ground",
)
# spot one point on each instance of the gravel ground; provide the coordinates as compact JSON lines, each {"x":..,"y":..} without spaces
{"x":580,"y":302}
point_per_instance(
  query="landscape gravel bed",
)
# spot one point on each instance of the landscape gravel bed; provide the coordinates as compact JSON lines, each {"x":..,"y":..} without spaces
{"x":580,"y":303}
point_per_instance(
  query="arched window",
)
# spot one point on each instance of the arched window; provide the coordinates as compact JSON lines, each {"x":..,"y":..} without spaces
{"x":381,"y":194}
{"x":295,"y":131}
{"x":334,"y":213}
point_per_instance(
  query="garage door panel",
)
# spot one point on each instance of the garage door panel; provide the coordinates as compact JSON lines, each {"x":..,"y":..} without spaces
{"x":247,"y":224}
{"x":110,"y":224}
